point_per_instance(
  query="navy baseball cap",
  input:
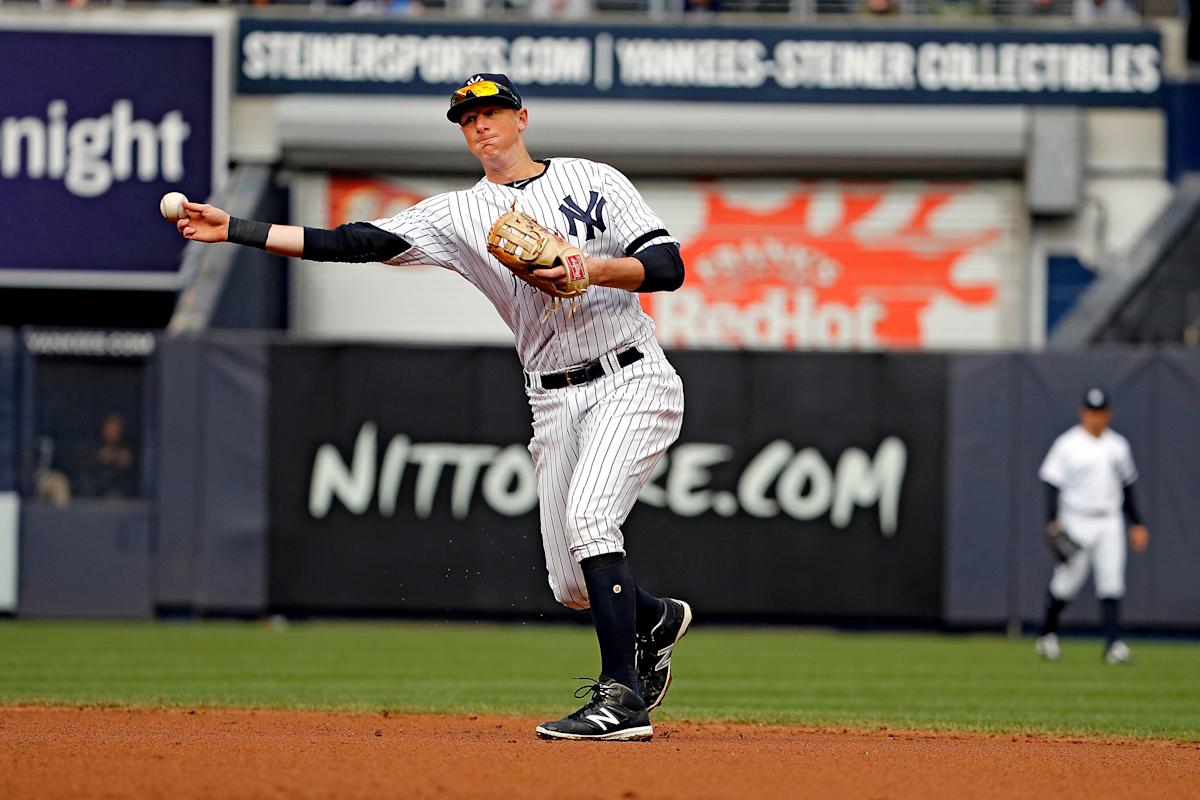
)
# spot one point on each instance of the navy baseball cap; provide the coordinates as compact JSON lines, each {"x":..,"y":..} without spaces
{"x":481,"y":88}
{"x":1095,"y":398}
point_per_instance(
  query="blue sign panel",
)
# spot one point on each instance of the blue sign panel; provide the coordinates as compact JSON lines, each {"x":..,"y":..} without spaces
{"x":795,"y":65}
{"x":94,"y":128}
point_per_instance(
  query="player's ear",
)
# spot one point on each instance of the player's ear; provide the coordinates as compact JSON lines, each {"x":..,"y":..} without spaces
{"x":522,"y":119}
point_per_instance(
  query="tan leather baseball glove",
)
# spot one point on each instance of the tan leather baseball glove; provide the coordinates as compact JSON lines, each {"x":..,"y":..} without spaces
{"x":521,"y":243}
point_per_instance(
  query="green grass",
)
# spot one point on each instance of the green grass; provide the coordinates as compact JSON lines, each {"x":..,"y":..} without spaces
{"x":977,"y":682}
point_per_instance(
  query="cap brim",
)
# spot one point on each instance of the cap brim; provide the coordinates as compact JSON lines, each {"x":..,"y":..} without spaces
{"x":456,"y":111}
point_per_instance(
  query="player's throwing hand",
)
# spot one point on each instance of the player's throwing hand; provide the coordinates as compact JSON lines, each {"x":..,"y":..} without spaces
{"x":204,"y":223}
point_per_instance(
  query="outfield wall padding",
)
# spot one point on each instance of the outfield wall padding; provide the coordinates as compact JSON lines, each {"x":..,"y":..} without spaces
{"x":212,"y":546}
{"x":9,"y":403}
{"x":801,"y":486}
{"x":89,"y":559}
{"x":895,"y":488}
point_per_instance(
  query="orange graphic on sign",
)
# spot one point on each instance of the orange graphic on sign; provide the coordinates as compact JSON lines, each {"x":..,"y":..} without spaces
{"x":766,"y":279}
{"x":354,"y":198}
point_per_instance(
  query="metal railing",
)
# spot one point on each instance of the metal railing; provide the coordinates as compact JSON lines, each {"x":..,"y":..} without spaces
{"x":205,"y":268}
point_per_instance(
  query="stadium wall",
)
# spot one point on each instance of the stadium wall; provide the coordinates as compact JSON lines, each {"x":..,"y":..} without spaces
{"x":884,"y":488}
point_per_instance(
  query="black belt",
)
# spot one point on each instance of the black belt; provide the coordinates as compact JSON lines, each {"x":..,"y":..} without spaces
{"x":586,"y":372}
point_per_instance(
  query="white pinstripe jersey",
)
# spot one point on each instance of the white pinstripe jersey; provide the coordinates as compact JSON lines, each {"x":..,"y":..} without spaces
{"x":591,"y":204}
{"x":1091,"y":472}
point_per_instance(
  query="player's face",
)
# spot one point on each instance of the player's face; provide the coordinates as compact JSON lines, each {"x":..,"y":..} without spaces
{"x":1094,"y":421}
{"x":491,"y":130}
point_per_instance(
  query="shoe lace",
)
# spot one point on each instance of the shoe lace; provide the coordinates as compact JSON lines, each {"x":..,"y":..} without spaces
{"x":599,"y":694}
{"x":593,"y":687}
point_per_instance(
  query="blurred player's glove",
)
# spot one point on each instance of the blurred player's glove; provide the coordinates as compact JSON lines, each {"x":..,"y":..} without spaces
{"x":1061,"y":545}
{"x":523,"y":244}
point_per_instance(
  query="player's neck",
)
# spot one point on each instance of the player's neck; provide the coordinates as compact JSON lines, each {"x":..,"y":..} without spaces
{"x":513,"y":166}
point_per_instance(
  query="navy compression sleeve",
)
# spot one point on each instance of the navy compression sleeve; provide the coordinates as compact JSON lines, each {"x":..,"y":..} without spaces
{"x":1051,"y":501}
{"x":664,"y":267}
{"x":1130,"y":508}
{"x":356,"y":242}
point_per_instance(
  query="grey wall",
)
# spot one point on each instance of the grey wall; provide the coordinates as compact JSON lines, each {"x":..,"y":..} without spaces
{"x":88,"y":559}
{"x":9,"y":402}
{"x":212,"y":523}
{"x":396,"y":133}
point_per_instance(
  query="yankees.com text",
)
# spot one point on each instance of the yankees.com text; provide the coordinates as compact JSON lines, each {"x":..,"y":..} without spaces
{"x":779,"y":480}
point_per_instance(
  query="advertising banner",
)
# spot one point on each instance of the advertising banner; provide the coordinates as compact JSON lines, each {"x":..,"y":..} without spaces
{"x":771,"y":265}
{"x":403,"y":482}
{"x":846,"y":265}
{"x":740,"y":64}
{"x":95,"y":125}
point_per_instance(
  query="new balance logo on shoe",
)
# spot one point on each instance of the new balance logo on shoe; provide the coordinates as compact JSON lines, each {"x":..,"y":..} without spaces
{"x":605,"y":716}
{"x":666,"y":656}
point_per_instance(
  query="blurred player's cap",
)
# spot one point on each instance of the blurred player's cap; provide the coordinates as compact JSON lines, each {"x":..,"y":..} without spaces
{"x":1095,"y":398}
{"x":483,"y":87}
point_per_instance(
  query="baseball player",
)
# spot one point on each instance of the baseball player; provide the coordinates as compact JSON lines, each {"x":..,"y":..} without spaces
{"x":1089,"y":475}
{"x":606,"y":402}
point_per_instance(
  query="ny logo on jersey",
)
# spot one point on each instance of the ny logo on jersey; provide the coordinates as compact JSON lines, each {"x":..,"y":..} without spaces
{"x":592,"y":216}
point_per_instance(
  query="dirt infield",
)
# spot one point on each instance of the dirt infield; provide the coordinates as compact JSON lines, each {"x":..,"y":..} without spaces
{"x":218,"y":755}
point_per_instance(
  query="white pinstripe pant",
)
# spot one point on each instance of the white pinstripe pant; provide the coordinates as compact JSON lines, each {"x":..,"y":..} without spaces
{"x":594,"y":447}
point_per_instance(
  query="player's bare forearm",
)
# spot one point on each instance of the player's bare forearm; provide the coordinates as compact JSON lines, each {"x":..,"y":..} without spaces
{"x":618,"y":273}
{"x":286,"y":240}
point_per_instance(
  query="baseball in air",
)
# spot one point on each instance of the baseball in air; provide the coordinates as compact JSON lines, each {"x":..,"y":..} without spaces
{"x":171,"y":205}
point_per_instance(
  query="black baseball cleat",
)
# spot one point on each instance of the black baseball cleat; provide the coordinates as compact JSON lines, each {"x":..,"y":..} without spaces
{"x":615,"y":713}
{"x":654,"y":650}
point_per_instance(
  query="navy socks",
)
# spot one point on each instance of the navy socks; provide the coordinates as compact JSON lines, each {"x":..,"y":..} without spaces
{"x":649,"y":610}
{"x":614,"y":598}
{"x":1110,"y":613}
{"x":1054,"y":608}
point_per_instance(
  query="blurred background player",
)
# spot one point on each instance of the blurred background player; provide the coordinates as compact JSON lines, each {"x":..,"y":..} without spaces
{"x":1089,"y":475}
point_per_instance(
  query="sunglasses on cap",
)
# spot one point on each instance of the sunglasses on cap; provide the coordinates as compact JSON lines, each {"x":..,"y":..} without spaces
{"x":480,"y":89}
